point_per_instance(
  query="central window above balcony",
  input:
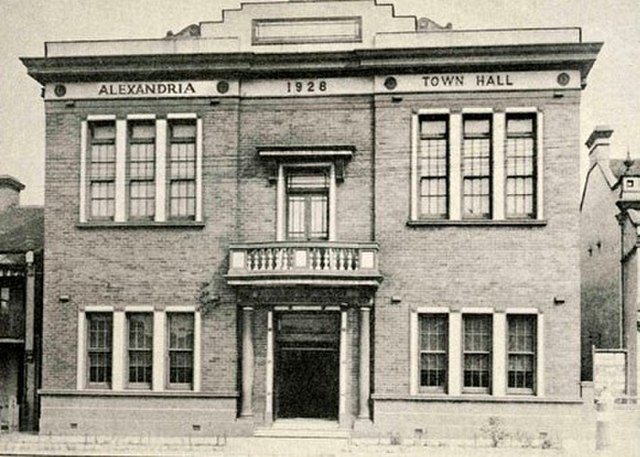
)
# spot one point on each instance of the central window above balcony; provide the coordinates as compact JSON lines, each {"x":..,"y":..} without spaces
{"x":307,"y":203}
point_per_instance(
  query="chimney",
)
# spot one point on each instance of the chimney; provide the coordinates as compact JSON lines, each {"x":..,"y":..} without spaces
{"x":10,"y":189}
{"x":598,"y":144}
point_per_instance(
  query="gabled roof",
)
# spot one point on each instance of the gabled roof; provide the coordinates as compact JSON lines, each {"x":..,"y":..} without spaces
{"x":22,"y":229}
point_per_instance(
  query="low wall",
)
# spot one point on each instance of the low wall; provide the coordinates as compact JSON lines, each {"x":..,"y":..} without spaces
{"x":465,"y":419}
{"x":154,"y":414}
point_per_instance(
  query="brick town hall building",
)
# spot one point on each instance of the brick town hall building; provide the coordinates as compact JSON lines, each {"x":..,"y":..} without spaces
{"x":313,"y":210}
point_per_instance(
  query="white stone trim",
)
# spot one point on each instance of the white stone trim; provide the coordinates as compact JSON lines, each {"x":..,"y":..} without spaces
{"x":197,"y":351}
{"x":182,"y":116}
{"x":434,"y":111}
{"x":342,"y":380}
{"x":415,"y":127}
{"x":540,"y":165}
{"x":180,"y":309}
{"x":101,"y":117}
{"x":498,"y":125}
{"x":540,"y":387}
{"x":522,"y":311}
{"x":121,"y":170}
{"x":98,"y":309}
{"x":281,"y":204}
{"x":521,"y":109}
{"x":199,"y":152}
{"x":455,"y":166}
{"x":118,"y":351}
{"x":82,"y":351}
{"x":139,"y":309}
{"x":499,"y":355}
{"x":332,"y":202}
{"x":477,"y":110}
{"x":84,"y":134}
{"x":477,"y":310}
{"x":455,"y":354}
{"x":159,"y":347}
{"x":414,"y":352}
{"x":161,"y":170}
{"x":140,"y":117}
{"x":268,"y":410}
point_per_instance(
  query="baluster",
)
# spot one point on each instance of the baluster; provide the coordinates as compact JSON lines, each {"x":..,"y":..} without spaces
{"x":333,"y":260}
{"x":270,"y":260}
{"x":260,"y":259}
{"x":340,"y":259}
{"x":356,"y":259}
{"x":349,"y":259}
{"x":286,"y":258}
{"x":318,"y":259}
{"x":278,"y":259}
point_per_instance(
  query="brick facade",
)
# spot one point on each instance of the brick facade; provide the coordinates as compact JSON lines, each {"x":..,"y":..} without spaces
{"x":377,"y":267}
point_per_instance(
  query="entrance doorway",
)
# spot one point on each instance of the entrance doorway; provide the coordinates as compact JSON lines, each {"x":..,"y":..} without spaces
{"x":307,"y":365}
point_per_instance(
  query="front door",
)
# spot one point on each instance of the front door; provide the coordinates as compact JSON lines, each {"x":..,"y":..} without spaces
{"x":307,"y":365}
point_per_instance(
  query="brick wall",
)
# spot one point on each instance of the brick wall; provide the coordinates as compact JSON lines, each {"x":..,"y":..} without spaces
{"x":600,"y":268}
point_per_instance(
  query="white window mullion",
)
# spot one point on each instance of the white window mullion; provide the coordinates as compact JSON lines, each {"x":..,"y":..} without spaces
{"x":196,"y":351}
{"x":540,"y":356}
{"x":455,"y":164}
{"x":280,"y":205}
{"x":414,"y":353}
{"x":498,"y":190}
{"x":332,"y":203}
{"x":84,"y":130}
{"x":199,"y":145}
{"x":158,"y":358}
{"x":455,"y":353}
{"x":118,"y":351}
{"x":415,"y":128}
{"x":82,"y":351}
{"x":539,"y":165}
{"x":500,"y":341}
{"x":161,"y":170}
{"x":121,"y":170}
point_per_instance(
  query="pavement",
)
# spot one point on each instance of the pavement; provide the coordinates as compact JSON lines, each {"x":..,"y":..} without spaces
{"x":16,"y":444}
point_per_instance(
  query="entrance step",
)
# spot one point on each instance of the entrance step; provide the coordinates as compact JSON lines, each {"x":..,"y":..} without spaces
{"x":302,"y":428}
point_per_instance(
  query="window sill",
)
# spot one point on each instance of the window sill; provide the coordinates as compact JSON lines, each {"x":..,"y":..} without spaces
{"x":486,"y":398}
{"x":88,"y":392}
{"x":477,"y":223}
{"x":141,"y":224}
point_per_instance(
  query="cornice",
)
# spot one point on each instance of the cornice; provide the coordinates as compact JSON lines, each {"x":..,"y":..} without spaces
{"x":345,"y":63}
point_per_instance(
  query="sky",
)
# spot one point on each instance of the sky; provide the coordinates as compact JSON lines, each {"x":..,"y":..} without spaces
{"x":611,"y":98}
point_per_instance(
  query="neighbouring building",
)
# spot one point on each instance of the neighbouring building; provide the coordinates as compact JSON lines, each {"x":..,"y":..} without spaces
{"x":610,"y":218}
{"x":315,"y":210}
{"x":21,"y":246}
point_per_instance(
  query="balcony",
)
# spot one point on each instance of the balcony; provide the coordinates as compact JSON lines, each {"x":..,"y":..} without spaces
{"x":298,"y":263}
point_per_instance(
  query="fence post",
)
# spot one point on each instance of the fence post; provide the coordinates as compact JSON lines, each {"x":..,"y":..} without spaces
{"x":603,"y":420}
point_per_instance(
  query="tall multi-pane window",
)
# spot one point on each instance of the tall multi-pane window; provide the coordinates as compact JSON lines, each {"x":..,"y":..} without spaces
{"x":433,"y":165}
{"x":140,"y":348}
{"x":308,"y":204}
{"x":476,"y":167}
{"x":181,"y":336}
{"x":102,"y":170}
{"x":521,"y":353}
{"x":99,"y":348}
{"x":142,"y":159}
{"x":477,"y":337}
{"x":433,"y":351}
{"x":520,"y":164}
{"x":182,"y":170}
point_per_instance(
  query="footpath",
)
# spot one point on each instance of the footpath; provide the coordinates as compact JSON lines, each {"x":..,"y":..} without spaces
{"x":15,"y":444}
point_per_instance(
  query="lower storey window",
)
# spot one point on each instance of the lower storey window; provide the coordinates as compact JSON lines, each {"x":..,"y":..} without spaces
{"x":180,"y":348}
{"x":477,"y":352}
{"x":140,"y":348}
{"x":433,"y":351}
{"x":100,"y":333}
{"x":521,"y":353}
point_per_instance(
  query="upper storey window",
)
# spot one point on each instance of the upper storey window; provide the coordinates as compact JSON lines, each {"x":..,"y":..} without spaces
{"x":308,"y":204}
{"x":520,"y":158}
{"x":434,"y":167}
{"x":142,"y":154}
{"x":182,"y":187}
{"x":102,"y":170}
{"x":141,"y":169}
{"x":478,"y":166}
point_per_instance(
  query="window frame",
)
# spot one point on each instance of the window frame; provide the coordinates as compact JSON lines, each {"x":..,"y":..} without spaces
{"x":88,"y":351}
{"x":488,"y":136}
{"x":171,"y":140}
{"x":422,"y":176}
{"x":534,"y":117}
{"x":193,"y":350}
{"x":138,"y":385}
{"x":535,"y":389}
{"x":90,"y":143}
{"x":443,"y":389}
{"x":130,"y":179}
{"x":488,"y":317}
{"x":308,"y":194}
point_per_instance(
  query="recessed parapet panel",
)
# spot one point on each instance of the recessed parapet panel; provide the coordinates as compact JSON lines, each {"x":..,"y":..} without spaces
{"x":476,"y":82}
{"x":306,"y":87}
{"x":136,"y":89}
{"x":307,"y":30}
